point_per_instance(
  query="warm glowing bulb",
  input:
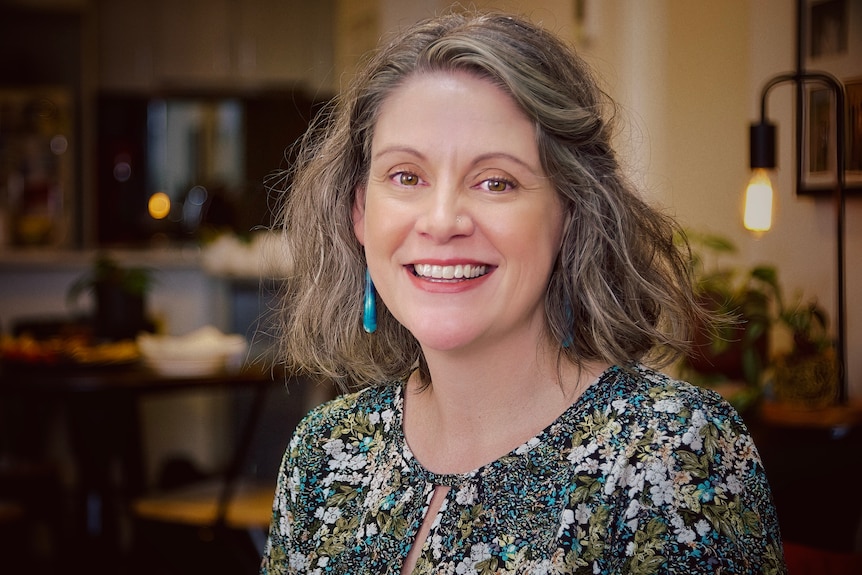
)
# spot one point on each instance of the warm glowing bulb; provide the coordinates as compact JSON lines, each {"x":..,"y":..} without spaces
{"x":159,"y":205}
{"x":758,"y":202}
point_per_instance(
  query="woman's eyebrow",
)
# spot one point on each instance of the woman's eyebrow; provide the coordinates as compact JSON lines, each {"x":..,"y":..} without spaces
{"x":510,"y":157}
{"x":398,"y":149}
{"x":477,"y":160}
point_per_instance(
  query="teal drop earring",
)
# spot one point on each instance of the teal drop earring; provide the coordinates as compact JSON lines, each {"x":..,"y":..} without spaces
{"x":369,"y":312}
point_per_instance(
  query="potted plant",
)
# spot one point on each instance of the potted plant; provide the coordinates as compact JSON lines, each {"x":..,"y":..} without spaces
{"x":119,"y":295}
{"x":807,"y":373}
{"x":738,"y":349}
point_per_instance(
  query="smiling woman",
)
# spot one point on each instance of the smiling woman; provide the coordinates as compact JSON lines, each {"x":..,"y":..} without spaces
{"x":462,"y":199}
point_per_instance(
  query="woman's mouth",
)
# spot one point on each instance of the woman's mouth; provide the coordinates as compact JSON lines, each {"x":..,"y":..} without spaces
{"x":454,"y":272}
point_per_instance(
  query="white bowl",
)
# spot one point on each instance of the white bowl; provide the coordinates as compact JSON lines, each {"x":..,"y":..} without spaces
{"x":203,"y":352}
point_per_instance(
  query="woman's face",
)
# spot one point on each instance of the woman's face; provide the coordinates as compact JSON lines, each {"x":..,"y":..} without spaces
{"x":461,"y":226}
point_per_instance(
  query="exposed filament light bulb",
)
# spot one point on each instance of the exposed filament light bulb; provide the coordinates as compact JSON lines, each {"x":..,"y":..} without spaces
{"x":757,"y":216}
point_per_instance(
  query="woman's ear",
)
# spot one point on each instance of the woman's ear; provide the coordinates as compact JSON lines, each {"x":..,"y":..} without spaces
{"x":359,"y":214}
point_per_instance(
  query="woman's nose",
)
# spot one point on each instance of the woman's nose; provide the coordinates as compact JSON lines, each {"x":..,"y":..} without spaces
{"x":445,"y":215}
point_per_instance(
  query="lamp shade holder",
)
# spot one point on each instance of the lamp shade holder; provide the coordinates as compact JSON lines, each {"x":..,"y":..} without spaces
{"x":763,"y":157}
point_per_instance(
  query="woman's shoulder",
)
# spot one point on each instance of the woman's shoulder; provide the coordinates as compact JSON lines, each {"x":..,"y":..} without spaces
{"x":644,"y":393}
{"x":377,"y":398}
{"x":373,"y":406}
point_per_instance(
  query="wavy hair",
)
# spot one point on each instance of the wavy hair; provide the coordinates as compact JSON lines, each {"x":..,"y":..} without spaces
{"x":620,"y":290}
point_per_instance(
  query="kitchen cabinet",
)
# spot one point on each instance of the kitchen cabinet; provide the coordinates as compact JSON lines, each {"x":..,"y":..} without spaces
{"x":214,"y":44}
{"x":194,"y":41}
{"x":279,"y":41}
{"x":126,"y":44}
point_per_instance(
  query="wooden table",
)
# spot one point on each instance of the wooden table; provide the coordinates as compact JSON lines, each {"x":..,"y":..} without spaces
{"x":100,"y":407}
{"x":125,"y":379}
{"x":837,"y":416}
{"x":813,"y":459}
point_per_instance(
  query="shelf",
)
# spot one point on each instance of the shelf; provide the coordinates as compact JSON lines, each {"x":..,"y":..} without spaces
{"x":35,"y":260}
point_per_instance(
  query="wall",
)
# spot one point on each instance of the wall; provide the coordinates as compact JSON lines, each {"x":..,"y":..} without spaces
{"x":678,"y":72}
{"x":688,"y":77}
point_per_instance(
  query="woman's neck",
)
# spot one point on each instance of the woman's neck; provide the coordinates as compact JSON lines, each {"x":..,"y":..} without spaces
{"x":479,"y":407}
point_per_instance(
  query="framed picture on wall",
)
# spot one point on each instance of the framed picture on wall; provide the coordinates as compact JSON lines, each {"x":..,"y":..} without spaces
{"x":828,"y":28}
{"x":854,"y":123}
{"x":818,"y":164}
{"x":819,"y":137}
{"x":833,"y":40}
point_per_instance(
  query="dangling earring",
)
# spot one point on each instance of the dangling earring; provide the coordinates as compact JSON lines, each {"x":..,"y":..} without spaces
{"x":369,"y":312}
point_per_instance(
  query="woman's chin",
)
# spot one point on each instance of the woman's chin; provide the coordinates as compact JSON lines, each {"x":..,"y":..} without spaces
{"x":442,"y":339}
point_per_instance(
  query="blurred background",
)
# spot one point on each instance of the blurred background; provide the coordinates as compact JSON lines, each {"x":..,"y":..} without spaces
{"x":151,"y":131}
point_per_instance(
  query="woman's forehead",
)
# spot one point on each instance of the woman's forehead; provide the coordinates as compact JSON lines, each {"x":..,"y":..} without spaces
{"x":454,"y":112}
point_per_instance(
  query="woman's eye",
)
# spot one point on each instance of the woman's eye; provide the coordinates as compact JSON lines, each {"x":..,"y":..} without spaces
{"x":406,"y":179}
{"x":494,"y":185}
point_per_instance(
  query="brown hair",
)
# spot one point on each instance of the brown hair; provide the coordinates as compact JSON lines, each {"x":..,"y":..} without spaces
{"x":620,"y":290}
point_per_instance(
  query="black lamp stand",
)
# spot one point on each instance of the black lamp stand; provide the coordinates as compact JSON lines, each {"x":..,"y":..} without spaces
{"x":762,"y":138}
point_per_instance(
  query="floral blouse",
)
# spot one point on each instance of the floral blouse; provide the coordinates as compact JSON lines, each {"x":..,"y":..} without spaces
{"x":642,"y":474}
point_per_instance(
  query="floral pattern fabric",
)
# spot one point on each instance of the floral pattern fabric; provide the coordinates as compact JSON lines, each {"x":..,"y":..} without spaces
{"x":642,"y":474}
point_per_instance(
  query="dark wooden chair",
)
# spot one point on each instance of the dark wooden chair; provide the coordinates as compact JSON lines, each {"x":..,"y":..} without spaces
{"x":220,"y":525}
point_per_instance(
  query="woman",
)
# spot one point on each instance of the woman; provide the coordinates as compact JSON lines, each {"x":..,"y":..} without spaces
{"x":507,"y":422}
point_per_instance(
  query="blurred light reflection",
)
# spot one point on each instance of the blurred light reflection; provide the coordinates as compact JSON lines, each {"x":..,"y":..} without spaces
{"x":159,"y":205}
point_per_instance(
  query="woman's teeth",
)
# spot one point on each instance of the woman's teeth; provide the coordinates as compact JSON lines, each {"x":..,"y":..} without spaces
{"x":465,"y":271}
